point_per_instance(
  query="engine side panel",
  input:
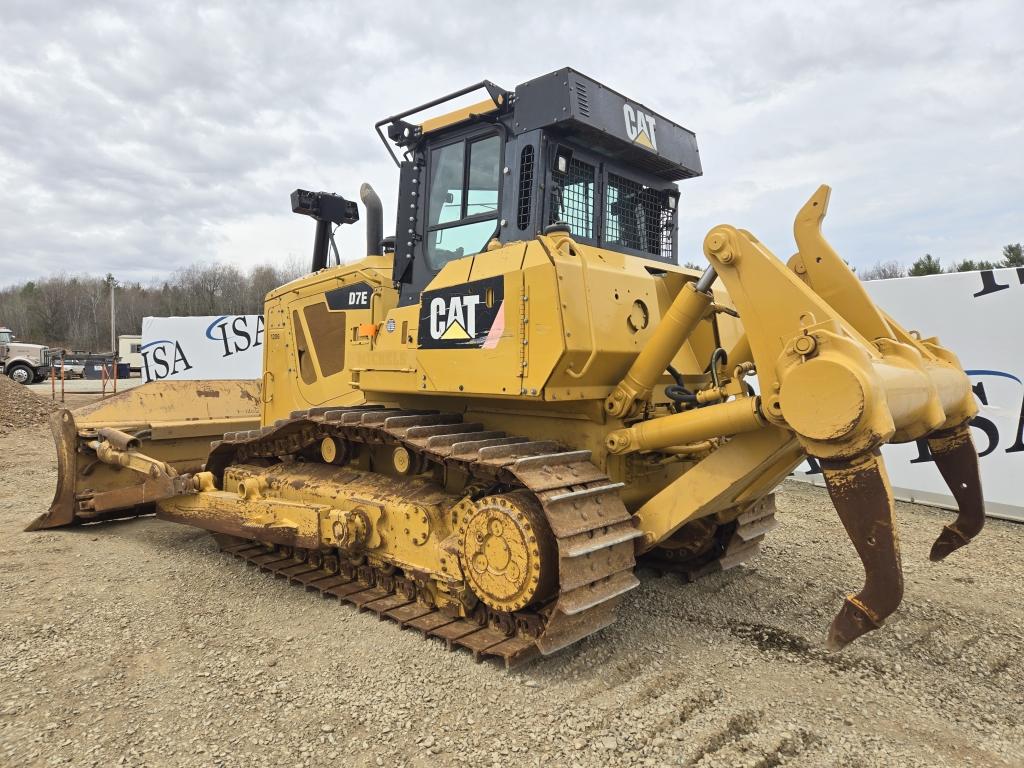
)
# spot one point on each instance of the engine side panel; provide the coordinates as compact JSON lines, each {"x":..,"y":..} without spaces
{"x":544,"y":320}
{"x":315,"y":327}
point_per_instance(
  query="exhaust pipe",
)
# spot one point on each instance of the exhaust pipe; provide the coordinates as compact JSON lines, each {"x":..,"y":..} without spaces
{"x":374,"y":220}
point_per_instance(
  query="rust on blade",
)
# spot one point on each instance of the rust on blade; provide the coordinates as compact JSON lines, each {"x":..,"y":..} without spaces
{"x":957,"y":461}
{"x":862,"y":496}
{"x":62,"y":510}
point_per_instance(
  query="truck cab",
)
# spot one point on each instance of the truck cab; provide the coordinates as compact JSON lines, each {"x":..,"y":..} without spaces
{"x":23,"y":363}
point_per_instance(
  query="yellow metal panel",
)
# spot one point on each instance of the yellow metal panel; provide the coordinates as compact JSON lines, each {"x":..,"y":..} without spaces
{"x":458,"y":116}
{"x":500,"y":261}
{"x":289,"y":391}
{"x":163,"y":401}
{"x":543,"y":336}
{"x":482,"y":371}
{"x":453,"y":273}
{"x":610,"y":305}
{"x":170,"y":430}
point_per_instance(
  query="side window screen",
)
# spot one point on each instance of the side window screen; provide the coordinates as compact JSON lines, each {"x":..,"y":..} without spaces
{"x":636,"y":217}
{"x":464,"y":181}
{"x":572,"y":197}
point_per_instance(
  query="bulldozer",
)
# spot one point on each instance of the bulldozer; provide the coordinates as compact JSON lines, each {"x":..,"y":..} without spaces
{"x":482,"y":429}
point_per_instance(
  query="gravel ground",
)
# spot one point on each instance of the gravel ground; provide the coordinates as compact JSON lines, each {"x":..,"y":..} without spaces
{"x":19,"y":407}
{"x":136,"y":643}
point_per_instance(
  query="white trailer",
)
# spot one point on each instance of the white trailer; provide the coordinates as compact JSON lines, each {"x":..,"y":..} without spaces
{"x":129,"y":350}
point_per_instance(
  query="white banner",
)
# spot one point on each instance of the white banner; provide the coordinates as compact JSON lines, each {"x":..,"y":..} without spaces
{"x":193,"y":348}
{"x":980,"y":317}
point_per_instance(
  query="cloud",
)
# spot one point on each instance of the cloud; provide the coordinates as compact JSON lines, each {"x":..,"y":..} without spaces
{"x":139,"y":138}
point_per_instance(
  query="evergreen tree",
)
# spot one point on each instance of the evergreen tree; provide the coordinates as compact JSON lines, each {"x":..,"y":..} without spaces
{"x":970,"y":265}
{"x":926,"y":265}
{"x":1013,"y":255}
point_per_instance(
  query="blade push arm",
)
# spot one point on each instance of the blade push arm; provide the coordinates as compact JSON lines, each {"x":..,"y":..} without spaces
{"x":161,"y":481}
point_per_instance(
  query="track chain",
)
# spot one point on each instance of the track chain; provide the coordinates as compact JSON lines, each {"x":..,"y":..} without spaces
{"x":593,"y":530}
{"x":387,"y":602}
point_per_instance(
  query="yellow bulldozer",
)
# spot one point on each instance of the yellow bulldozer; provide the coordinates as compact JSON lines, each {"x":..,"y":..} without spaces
{"x":481,"y":429}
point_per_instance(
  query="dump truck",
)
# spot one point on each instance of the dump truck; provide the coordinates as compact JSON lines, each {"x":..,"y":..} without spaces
{"x":23,"y":363}
{"x":484,"y":427}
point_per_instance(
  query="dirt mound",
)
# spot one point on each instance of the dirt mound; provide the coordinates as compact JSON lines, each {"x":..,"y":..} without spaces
{"x":20,"y":407}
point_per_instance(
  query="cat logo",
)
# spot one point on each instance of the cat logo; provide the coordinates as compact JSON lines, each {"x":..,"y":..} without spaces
{"x":453,"y":319}
{"x":640,"y":127}
{"x":463,"y":317}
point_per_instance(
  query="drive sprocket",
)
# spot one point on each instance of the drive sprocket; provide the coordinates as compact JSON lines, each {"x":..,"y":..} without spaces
{"x":506,"y":551}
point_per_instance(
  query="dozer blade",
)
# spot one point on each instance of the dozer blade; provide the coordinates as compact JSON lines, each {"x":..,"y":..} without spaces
{"x":862,"y":496}
{"x":957,"y":460}
{"x":174,"y":422}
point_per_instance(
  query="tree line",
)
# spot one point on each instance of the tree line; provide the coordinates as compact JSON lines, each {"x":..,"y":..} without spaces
{"x":1013,"y":256}
{"x":73,"y":311}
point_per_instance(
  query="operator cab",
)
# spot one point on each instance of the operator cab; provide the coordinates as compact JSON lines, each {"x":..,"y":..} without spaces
{"x":560,"y":151}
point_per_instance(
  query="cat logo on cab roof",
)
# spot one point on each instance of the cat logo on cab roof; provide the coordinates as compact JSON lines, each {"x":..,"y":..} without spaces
{"x":640,"y":127}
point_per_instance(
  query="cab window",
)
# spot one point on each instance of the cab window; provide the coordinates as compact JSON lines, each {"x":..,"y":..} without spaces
{"x":462,"y":211}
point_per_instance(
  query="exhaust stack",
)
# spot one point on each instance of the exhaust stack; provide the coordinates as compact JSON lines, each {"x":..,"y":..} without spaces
{"x":374,"y":219}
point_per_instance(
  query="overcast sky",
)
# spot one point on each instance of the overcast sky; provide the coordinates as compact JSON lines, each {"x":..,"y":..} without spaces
{"x":136,"y":138}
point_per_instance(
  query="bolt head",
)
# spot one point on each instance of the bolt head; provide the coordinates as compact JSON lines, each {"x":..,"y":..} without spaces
{"x":804,"y":345}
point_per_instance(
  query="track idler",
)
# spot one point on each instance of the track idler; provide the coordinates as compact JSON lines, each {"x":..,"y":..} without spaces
{"x":862,"y":496}
{"x":957,"y":460}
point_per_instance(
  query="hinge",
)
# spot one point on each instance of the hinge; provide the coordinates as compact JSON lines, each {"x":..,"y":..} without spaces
{"x":524,"y":319}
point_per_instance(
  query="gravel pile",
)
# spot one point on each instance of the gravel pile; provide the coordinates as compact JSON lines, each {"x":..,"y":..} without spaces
{"x":21,"y":407}
{"x":137,"y":644}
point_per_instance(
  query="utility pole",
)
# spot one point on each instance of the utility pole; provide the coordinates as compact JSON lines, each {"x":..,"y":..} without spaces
{"x":113,"y":329}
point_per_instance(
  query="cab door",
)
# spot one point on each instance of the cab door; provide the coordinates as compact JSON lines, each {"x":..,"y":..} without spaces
{"x":455,"y":189}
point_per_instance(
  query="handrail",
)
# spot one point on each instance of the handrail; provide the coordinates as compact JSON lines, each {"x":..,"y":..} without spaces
{"x":498,"y":96}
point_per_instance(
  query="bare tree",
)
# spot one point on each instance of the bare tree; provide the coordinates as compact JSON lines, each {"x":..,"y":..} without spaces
{"x":883,"y":270}
{"x":73,"y":312}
